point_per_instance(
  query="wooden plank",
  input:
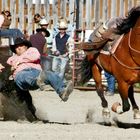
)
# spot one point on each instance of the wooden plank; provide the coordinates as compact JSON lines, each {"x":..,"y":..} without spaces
{"x":13,"y":13}
{"x":21,"y":14}
{"x":63,"y":8}
{"x":38,"y":6}
{"x":55,"y":12}
{"x":105,"y":10}
{"x":71,"y":12}
{"x":81,"y":13}
{"x":121,"y":8}
{"x":29,"y":17}
{"x":47,"y":6}
{"x":4,"y":4}
{"x":96,"y":11}
{"x":113,"y":8}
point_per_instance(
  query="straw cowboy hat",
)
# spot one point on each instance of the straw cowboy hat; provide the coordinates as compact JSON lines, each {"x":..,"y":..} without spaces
{"x":63,"y":24}
{"x":20,"y":41}
{"x":43,"y":30}
{"x":43,"y":22}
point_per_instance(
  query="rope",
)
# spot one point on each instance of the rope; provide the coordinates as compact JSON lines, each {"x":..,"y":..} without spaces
{"x":129,"y":67}
{"x":130,"y":44}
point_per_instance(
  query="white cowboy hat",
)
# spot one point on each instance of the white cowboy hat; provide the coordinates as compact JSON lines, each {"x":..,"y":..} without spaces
{"x":63,"y":24}
{"x":43,"y":22}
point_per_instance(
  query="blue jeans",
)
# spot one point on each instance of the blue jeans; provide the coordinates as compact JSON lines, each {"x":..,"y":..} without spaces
{"x":11,"y":33}
{"x":26,"y":80}
{"x":46,"y":62}
{"x":110,"y":82}
{"x":59,"y":65}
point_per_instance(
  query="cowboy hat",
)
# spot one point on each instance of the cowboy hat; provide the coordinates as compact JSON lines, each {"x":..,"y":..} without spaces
{"x":63,"y":24}
{"x":43,"y":22}
{"x":43,"y":30}
{"x":19,"y":41}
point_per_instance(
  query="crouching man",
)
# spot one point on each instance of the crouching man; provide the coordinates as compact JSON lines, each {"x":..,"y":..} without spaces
{"x":27,"y":71}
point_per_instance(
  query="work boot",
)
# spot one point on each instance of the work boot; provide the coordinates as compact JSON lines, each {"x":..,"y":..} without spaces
{"x":40,"y":80}
{"x":67,"y":91}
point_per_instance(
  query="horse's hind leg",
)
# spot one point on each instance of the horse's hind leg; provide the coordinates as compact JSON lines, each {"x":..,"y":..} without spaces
{"x":132,"y":99}
{"x":133,"y":102}
{"x":99,"y":87}
{"x":98,"y":80}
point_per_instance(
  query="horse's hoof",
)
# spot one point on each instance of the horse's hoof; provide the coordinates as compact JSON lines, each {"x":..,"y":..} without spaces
{"x":136,"y":114}
{"x":106,"y":116}
{"x":116,"y":107}
{"x":106,"y":113}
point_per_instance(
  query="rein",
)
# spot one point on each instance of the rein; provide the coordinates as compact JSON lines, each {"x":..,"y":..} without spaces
{"x":132,"y":68}
{"x":130,"y":44}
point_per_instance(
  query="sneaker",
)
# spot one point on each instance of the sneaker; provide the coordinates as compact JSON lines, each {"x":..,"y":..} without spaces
{"x":67,"y":91}
{"x":108,"y":93}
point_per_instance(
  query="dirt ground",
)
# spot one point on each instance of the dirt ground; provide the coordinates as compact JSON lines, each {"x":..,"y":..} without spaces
{"x":80,"y":118}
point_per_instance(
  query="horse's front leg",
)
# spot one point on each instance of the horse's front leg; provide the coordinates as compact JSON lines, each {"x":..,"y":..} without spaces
{"x":126,"y":91}
{"x":99,"y":87}
{"x":133,"y":102}
{"x":123,"y":88}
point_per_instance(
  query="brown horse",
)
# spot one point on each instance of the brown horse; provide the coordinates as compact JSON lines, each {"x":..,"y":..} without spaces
{"x":124,"y":64}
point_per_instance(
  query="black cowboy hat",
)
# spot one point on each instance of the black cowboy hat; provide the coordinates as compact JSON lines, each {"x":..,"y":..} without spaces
{"x":43,"y":30}
{"x":19,"y":41}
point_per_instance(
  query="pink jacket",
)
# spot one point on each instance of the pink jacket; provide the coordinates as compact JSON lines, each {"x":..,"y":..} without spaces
{"x":1,"y":20}
{"x":29,"y":59}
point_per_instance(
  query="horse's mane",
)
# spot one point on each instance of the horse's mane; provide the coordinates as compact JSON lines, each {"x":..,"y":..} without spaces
{"x":130,"y":20}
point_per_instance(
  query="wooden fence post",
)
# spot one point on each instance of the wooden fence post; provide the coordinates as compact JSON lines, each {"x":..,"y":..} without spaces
{"x":90,"y":11}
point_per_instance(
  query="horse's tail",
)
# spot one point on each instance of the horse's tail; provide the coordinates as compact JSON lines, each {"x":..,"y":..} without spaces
{"x":126,"y":125}
{"x":85,"y":71}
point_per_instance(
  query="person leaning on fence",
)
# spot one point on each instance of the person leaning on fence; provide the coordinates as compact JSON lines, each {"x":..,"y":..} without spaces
{"x":42,"y":22}
{"x":60,"y":49}
{"x":37,"y":18}
{"x":5,"y":30}
{"x":27,"y":71}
